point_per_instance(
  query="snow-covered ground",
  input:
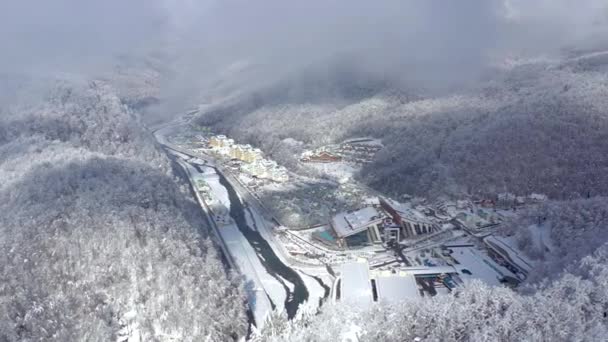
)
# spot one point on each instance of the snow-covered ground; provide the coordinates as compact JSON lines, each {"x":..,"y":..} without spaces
{"x":541,"y":237}
{"x":426,"y":257}
{"x":250,"y":220}
{"x":341,"y":171}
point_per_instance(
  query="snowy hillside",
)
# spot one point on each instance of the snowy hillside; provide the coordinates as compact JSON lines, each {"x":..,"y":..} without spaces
{"x":527,"y":130}
{"x":559,"y":233}
{"x":97,"y":240}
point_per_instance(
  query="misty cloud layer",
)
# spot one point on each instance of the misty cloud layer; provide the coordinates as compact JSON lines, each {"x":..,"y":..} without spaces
{"x":73,"y":35}
{"x":206,"y":43}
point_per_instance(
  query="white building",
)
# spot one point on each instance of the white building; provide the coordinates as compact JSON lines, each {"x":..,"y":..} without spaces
{"x":279,"y":174}
{"x":412,"y":221}
{"x":256,"y":154}
{"x":360,"y":286}
{"x":267,"y":169}
{"x":224,"y":150}
{"x":359,"y":227}
{"x":218,"y":141}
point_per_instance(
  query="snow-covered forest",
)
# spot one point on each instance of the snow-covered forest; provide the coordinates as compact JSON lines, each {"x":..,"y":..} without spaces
{"x":560,"y":233}
{"x":534,"y":126}
{"x":572,"y":308}
{"x":99,"y":239}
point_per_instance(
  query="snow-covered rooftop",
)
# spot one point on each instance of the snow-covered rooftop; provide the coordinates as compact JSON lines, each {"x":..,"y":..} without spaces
{"x":355,"y":284}
{"x":506,"y":248}
{"x":480,"y":266}
{"x":408,"y":213}
{"x":349,"y":223}
{"x":396,"y":287}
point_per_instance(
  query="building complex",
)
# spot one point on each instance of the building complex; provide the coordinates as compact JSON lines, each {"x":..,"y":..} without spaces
{"x":254,"y":162}
{"x":411,"y":221}
{"x":388,"y":221}
{"x":358,"y":227}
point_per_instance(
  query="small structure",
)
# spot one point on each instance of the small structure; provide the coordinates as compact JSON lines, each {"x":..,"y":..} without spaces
{"x":411,"y":221}
{"x":486,"y":203}
{"x":475,"y":220}
{"x":392,"y":233}
{"x":267,"y":169}
{"x":244,"y":153}
{"x":252,"y":155}
{"x":359,"y":227}
{"x":506,"y":199}
{"x":217,"y":141}
{"x":236,"y":152}
{"x":279,"y":174}
{"x":537,"y":198}
{"x":321,"y":157}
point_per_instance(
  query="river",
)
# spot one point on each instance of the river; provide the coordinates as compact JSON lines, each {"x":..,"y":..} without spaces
{"x":271,"y":262}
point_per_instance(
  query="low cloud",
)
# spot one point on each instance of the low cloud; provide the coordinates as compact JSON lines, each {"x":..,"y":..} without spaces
{"x":206,"y":44}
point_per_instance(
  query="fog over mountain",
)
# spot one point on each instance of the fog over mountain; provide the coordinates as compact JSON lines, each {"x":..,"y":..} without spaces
{"x":448,"y":94}
{"x":100,"y":235}
{"x":428,"y":42}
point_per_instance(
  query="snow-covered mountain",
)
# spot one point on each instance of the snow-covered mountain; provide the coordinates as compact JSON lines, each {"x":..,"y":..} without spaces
{"x":101,"y":238}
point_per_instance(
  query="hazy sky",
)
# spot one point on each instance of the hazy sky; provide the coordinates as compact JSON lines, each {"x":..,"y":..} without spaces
{"x":434,"y":40}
